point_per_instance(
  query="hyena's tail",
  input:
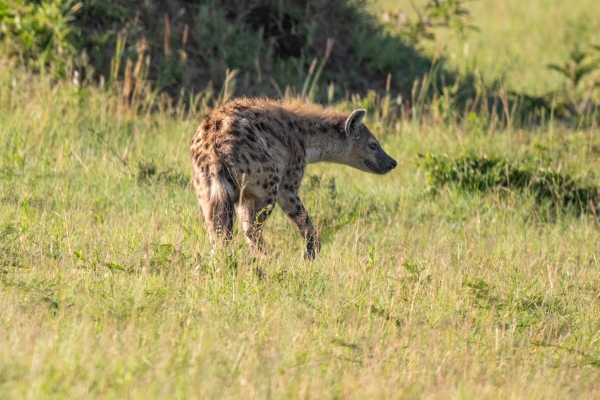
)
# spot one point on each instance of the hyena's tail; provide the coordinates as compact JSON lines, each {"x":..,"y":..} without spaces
{"x":215,"y":192}
{"x":223,"y":205}
{"x":217,"y":199}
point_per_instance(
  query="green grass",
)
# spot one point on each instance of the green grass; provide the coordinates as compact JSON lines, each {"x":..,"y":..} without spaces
{"x":107,"y":289}
{"x":517,"y":39}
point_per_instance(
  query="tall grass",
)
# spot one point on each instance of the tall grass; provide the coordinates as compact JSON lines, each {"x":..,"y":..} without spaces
{"x":108,"y":289}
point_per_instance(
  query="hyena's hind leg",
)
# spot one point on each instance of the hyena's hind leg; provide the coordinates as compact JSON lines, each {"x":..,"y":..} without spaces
{"x":257,"y":200}
{"x":253,"y":215}
{"x":218,"y":213}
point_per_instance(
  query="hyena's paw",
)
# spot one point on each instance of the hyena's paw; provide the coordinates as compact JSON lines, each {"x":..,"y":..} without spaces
{"x":259,"y":249}
{"x":313,"y":246}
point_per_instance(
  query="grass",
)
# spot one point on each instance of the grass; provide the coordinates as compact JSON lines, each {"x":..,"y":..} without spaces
{"x":517,"y":39}
{"x":108,"y":290}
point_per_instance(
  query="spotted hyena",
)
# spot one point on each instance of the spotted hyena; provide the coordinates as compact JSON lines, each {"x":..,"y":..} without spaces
{"x":251,"y":153}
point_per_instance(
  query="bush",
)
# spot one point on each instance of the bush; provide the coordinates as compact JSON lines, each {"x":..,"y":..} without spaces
{"x":192,"y":43}
{"x":473,"y":173}
{"x":39,"y":32}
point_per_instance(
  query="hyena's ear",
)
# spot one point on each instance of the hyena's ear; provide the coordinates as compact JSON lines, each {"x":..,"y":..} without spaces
{"x":354,"y":120}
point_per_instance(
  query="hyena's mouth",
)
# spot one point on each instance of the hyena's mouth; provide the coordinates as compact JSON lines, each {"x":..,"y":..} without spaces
{"x":373,"y":167}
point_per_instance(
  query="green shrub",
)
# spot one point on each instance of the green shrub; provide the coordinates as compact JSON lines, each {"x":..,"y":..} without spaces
{"x":473,"y":173}
{"x":39,"y":32}
{"x":193,"y":43}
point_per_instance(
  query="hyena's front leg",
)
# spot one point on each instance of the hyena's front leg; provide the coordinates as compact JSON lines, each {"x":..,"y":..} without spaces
{"x":292,"y":206}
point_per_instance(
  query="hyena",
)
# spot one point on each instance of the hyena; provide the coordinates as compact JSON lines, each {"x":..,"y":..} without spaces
{"x":251,"y":153}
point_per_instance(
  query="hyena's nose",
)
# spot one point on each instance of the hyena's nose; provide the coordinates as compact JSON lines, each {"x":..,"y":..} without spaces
{"x":393,"y":163}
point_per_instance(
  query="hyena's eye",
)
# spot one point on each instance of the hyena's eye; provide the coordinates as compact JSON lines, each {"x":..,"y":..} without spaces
{"x":373,"y":146}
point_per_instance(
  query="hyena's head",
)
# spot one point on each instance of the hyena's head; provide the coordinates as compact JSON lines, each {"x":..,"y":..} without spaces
{"x":361,"y":150}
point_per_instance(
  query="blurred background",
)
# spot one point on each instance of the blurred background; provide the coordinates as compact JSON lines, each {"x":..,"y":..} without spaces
{"x":543,"y":54}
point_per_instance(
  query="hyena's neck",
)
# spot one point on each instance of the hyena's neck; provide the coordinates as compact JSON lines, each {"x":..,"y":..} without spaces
{"x":321,"y":146}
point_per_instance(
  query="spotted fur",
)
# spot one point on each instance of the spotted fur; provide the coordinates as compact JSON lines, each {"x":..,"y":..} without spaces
{"x":250,"y":154}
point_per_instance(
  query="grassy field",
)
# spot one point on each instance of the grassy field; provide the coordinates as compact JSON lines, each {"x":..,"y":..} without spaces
{"x":516,"y":39}
{"x":108,"y":290}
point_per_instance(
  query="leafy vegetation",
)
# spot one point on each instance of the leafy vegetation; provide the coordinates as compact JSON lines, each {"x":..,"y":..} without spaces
{"x":189,"y":44}
{"x":272,"y":47}
{"x":450,"y":14}
{"x":39,"y":33}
